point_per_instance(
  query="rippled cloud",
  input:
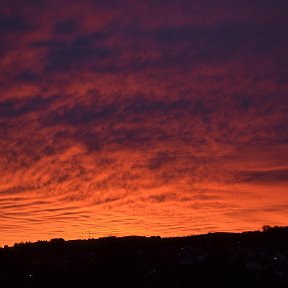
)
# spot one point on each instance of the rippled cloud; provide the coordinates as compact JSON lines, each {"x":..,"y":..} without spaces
{"x":142,"y":117}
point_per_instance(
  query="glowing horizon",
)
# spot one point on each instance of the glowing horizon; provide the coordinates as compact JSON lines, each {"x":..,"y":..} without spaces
{"x":149,"y":117}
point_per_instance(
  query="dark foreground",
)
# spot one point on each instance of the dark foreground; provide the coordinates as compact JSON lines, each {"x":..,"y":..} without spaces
{"x":250,"y":259}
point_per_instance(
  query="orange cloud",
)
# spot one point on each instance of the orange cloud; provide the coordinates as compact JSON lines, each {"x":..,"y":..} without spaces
{"x":164,"y":118}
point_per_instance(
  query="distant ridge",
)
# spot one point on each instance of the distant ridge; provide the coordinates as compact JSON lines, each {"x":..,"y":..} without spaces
{"x":247,"y":259}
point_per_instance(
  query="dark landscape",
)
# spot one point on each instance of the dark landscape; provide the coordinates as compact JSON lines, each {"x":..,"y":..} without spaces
{"x":248,"y":259}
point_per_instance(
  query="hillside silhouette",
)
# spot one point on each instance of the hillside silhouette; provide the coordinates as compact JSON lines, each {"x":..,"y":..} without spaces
{"x":248,"y":259}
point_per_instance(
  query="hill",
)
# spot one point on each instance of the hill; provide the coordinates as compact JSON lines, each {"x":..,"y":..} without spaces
{"x":248,"y":259}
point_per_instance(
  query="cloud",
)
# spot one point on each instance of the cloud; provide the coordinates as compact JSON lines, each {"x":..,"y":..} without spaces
{"x":142,"y":118}
{"x":14,"y":108}
{"x":272,"y":176}
{"x":14,"y":24}
{"x":17,"y":190}
{"x":66,"y":27}
{"x":66,"y":56}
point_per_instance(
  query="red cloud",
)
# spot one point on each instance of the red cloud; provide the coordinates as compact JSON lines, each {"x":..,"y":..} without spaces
{"x":162,"y":118}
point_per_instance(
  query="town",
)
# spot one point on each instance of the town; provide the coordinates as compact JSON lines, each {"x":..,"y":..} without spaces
{"x":248,"y":259}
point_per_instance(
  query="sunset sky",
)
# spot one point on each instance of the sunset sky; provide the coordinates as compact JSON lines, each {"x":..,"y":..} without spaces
{"x":152,"y":117}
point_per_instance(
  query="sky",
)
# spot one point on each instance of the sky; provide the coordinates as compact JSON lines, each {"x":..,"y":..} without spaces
{"x":155,"y":117}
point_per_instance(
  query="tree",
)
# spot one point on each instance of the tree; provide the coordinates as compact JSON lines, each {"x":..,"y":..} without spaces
{"x":266,"y":228}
